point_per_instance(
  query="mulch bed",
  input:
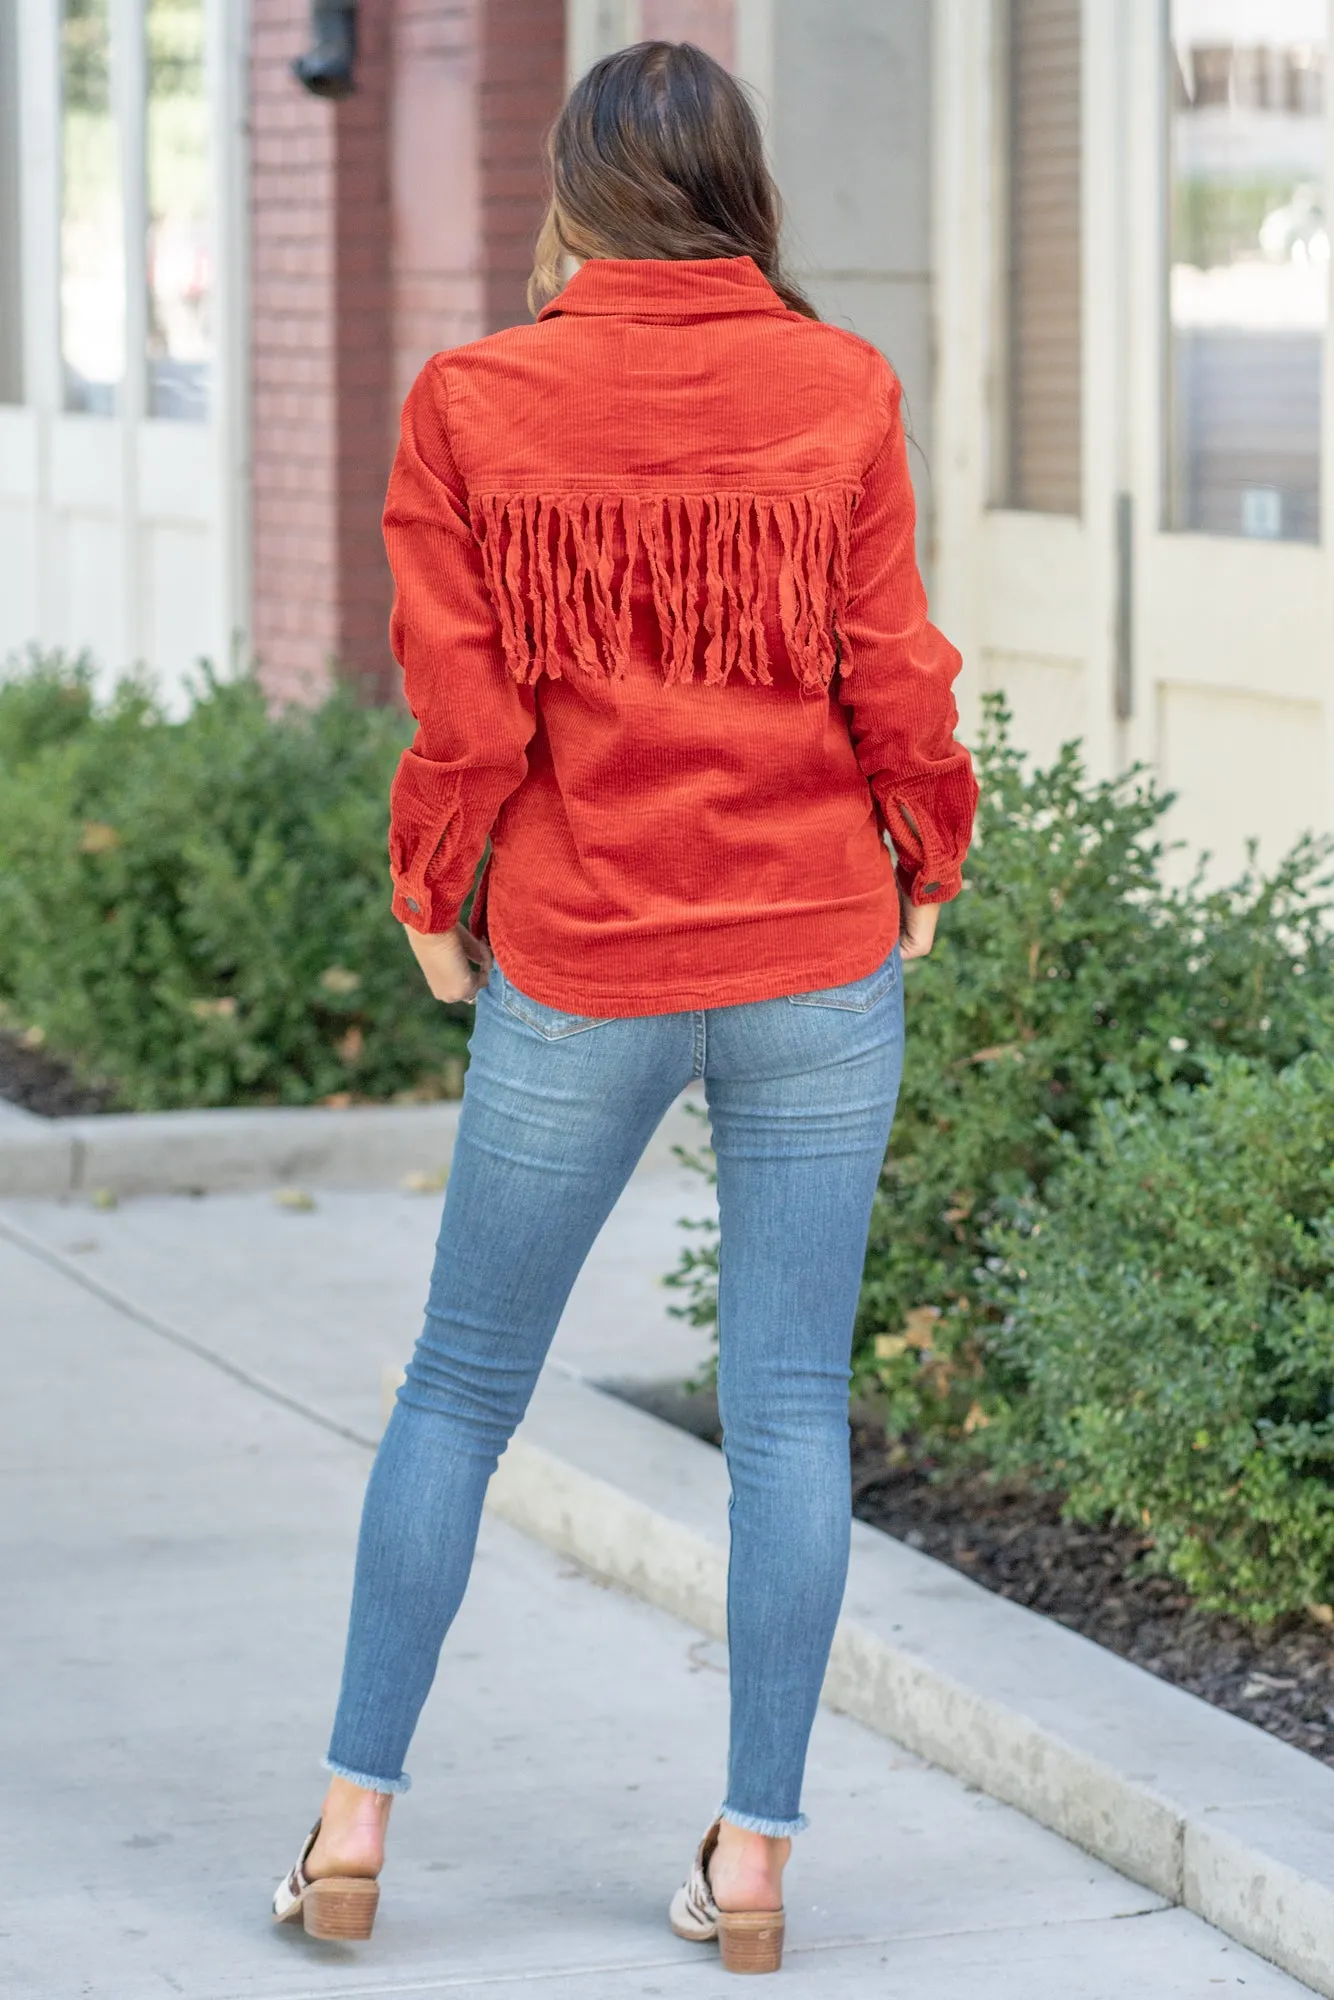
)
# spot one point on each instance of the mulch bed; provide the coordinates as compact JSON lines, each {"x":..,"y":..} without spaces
{"x":37,"y":1082}
{"x":1093,"y":1579}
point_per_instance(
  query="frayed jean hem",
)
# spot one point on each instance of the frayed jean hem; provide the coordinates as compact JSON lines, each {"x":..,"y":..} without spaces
{"x":368,"y":1784}
{"x":776,"y":1829}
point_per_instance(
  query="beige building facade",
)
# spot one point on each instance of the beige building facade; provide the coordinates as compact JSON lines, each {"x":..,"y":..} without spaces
{"x":1091,"y":235}
{"x":1133,"y":439}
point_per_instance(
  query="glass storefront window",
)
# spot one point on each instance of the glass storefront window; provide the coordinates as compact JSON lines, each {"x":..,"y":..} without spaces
{"x":1249,"y":266}
{"x":92,"y":216}
{"x":179,"y":248}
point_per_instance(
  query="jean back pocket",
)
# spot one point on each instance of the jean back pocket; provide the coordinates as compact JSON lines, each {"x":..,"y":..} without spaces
{"x":548,"y":1022}
{"x":859,"y":995}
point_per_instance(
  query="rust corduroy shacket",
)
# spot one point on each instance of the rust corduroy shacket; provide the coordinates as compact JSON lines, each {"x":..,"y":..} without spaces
{"x":661,"y":626}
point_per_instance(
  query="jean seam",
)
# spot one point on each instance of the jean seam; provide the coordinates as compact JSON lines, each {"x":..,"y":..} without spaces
{"x":701,"y":1049}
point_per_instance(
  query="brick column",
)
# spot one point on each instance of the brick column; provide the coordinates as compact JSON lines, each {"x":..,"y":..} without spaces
{"x":522,"y":85}
{"x":363,"y":340}
{"x":293,"y":479}
{"x":709,"y":24}
{"x":321,"y":359}
{"x":438,"y":294}
{"x":477,"y":84}
{"x":383,"y":228}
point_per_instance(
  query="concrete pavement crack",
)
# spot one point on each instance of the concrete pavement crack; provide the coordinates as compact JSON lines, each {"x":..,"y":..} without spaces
{"x":32,"y":1246}
{"x":537,"y":1975}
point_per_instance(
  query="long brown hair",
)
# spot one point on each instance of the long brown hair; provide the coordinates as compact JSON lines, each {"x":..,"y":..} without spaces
{"x":658,"y":154}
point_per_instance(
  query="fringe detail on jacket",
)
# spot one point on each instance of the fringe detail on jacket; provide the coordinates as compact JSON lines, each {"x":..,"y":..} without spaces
{"x":559,"y":573}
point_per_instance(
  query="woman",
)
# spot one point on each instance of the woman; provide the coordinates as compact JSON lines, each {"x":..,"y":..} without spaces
{"x":662,"y":630}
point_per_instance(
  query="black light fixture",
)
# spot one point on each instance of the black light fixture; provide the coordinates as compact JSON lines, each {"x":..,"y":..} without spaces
{"x":326,"y":69}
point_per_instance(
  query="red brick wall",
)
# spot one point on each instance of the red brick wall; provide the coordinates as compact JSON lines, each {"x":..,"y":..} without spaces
{"x":522,"y":84}
{"x":382,"y":229}
{"x":438,"y":287}
{"x":709,"y":24}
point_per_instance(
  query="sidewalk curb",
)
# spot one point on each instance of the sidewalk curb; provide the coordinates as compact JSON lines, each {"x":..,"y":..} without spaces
{"x":211,"y":1152}
{"x":1195,"y":1804}
{"x":217,"y":1152}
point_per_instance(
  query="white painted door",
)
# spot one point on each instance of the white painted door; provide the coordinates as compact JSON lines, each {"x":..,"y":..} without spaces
{"x":1226,"y":115}
{"x":122,"y":502}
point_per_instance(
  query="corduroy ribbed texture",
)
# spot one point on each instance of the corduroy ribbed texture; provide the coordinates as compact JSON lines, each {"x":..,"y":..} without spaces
{"x":662,"y":629}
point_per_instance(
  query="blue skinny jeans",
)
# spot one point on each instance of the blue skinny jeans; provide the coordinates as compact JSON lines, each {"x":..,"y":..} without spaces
{"x":556,"y":1113}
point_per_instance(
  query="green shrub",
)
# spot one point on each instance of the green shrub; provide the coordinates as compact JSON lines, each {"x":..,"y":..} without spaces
{"x":1173,"y":1333}
{"x":1069,"y":972}
{"x":197,"y":911}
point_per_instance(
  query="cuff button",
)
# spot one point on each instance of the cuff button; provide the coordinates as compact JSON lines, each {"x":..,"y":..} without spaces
{"x":415,"y":908}
{"x":931,"y":888}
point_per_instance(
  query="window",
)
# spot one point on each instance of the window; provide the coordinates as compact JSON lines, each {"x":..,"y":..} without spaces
{"x":179,"y":249}
{"x":11,"y":288}
{"x":1248,"y":276}
{"x":1038,"y":419}
{"x":92,"y":217}
{"x":177,"y":268}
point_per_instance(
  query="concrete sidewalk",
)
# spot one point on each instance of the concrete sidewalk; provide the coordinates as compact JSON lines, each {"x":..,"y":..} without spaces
{"x":177,"y":1548}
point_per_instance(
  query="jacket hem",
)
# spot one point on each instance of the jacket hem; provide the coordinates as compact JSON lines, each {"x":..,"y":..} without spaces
{"x":804,"y":973}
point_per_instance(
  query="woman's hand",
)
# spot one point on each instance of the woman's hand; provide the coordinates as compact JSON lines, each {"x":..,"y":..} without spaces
{"x":917,"y":927}
{"x":457,"y":965}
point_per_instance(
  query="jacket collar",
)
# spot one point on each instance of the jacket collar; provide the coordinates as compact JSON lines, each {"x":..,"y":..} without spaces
{"x":666,"y":290}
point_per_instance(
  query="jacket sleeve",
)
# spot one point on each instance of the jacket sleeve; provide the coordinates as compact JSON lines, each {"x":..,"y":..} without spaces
{"x":474,"y":721}
{"x":896,"y":679}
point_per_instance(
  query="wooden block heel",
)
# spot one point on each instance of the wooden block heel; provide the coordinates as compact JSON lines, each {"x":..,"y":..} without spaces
{"x":751,"y":1940}
{"x":334,"y":1906}
{"x":340,"y":1906}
